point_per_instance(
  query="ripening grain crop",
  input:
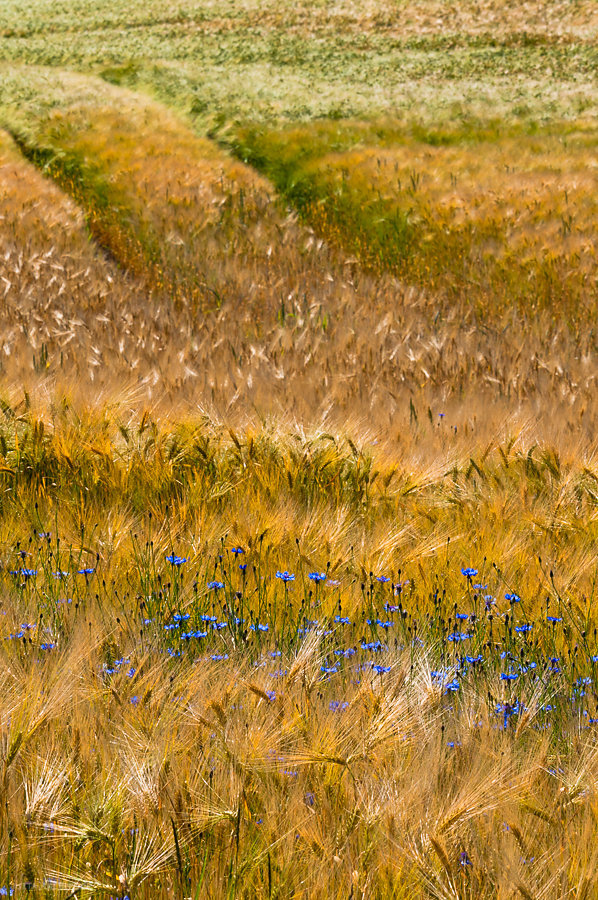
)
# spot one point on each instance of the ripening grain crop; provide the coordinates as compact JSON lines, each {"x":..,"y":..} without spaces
{"x":298,"y":474}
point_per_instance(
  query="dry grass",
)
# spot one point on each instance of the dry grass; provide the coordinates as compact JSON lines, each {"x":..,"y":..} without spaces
{"x":493,"y":220}
{"x":188,"y":369}
{"x":290,"y":323}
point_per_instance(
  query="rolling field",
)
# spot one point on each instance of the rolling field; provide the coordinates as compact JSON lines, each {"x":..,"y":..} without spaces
{"x":298,"y":458}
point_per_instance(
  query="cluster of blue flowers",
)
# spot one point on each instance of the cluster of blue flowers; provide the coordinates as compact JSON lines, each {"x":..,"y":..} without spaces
{"x":488,"y":640}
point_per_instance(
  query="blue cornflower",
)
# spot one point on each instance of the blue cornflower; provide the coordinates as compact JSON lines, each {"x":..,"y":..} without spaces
{"x":380,"y":669}
{"x":464,"y":859}
{"x":509,"y":676}
{"x":523,"y":629}
{"x":215,"y":585}
{"x":237,"y":550}
{"x":175,"y":560}
{"x":342,"y":620}
{"x":86,"y":571}
{"x":135,"y":700}
{"x":376,"y":646}
{"x":462,"y":617}
{"x":514,"y":598}
{"x":47,"y":646}
{"x":25,"y":573}
{"x":285,"y":576}
{"x":317,"y":576}
{"x":469,"y":572}
{"x":60,"y":574}
{"x":457,"y":636}
{"x":554,"y":619}
{"x":382,"y":578}
{"x":242,"y":566}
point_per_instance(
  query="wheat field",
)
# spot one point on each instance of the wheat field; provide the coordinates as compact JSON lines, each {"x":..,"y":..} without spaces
{"x":298,"y":459}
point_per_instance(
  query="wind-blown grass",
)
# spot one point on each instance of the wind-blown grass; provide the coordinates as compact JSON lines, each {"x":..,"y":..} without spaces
{"x":505,"y":219}
{"x":297,"y":506}
{"x":200,"y":724}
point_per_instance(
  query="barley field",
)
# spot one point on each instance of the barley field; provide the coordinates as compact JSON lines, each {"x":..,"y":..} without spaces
{"x":298,"y":450}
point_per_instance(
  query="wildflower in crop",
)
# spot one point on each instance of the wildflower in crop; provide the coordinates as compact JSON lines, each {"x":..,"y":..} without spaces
{"x":176,"y":560}
{"x":25,"y":573}
{"x":523,"y":629}
{"x":60,"y":574}
{"x":285,"y":576}
{"x":464,"y":859}
{"x":469,"y":572}
{"x":86,"y":571}
{"x":237,"y":550}
{"x":382,"y":579}
{"x":380,"y":669}
{"x":462,"y":617}
{"x":513,"y":598}
{"x":215,"y":585}
{"x":376,"y":646}
{"x":317,"y":576}
{"x":242,"y":566}
{"x":554,"y":619}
